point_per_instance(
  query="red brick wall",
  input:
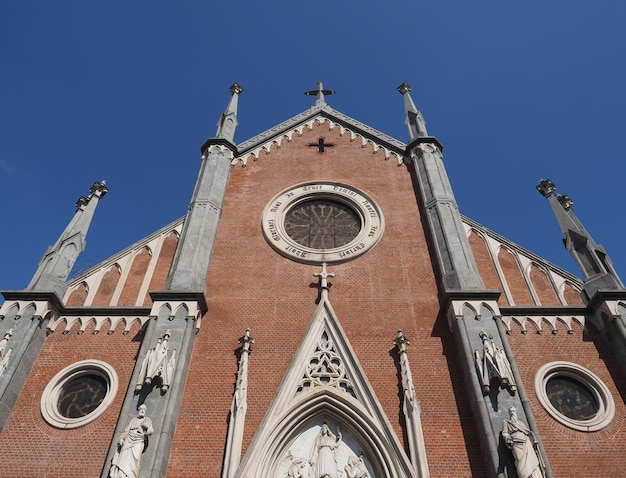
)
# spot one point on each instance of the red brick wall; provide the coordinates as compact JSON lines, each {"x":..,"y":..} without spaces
{"x":486,"y":268}
{"x":514,"y":278}
{"x":392,"y":286}
{"x":135,"y":278}
{"x":543,"y":287}
{"x":164,"y":262}
{"x":32,"y":448}
{"x":107,"y":286}
{"x":572,"y":453}
{"x":78,"y":296}
{"x":572,"y":296}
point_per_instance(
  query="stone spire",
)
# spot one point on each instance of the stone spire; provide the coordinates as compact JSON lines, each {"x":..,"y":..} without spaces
{"x":319,"y":93}
{"x":591,"y":258}
{"x":457,"y":265}
{"x":193,"y":255}
{"x":59,"y":259}
{"x":228,"y":122}
{"x":414,"y":119}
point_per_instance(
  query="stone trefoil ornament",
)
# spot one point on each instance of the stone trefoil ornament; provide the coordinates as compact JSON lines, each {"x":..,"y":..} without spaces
{"x":158,"y":365}
{"x":127,"y":459}
{"x":493,"y":364}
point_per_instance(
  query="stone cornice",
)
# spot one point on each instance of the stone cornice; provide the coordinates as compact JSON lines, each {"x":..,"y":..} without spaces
{"x":321,"y":114}
{"x":219,"y":142}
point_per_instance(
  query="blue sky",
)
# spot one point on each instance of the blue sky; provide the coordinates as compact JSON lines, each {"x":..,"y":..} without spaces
{"x":129,"y":91}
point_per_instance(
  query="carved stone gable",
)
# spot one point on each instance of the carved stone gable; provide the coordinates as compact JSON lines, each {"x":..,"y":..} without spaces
{"x":325,"y":420}
{"x":326,"y":368}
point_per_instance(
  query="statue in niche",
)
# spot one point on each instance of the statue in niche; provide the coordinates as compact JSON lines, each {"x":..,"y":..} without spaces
{"x":493,"y":365}
{"x":355,"y":468}
{"x":159,"y":363}
{"x":5,"y":352}
{"x":324,"y":454}
{"x":127,"y":458}
{"x":523,"y":444}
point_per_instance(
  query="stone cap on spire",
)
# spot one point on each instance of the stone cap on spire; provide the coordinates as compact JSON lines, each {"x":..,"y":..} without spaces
{"x":592,"y":259}
{"x":319,"y":93}
{"x":228,"y":122}
{"x":59,"y":259}
{"x":414,"y":119}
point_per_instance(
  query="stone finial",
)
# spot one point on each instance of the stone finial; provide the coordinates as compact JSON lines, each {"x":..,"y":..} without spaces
{"x":99,"y":188}
{"x":565,"y":201}
{"x":246,"y":342}
{"x":404,"y":88}
{"x":59,"y":259}
{"x":82,"y":202}
{"x":592,"y":259}
{"x":546,"y":187}
{"x":319,"y":93}
{"x":228,"y":121}
{"x":401,"y":342}
{"x":414,"y":119}
{"x":235,"y":89}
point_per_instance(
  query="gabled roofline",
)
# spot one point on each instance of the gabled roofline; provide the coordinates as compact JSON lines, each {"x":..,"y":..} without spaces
{"x":115,"y":257}
{"x":327,"y":112}
{"x":534,"y":257}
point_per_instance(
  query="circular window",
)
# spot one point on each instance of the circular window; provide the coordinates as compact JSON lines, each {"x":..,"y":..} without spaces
{"x":574,"y":396}
{"x":79,"y":394}
{"x":322,"y":222}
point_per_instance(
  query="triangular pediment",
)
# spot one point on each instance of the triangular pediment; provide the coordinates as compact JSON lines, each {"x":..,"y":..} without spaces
{"x":322,"y":114}
{"x":325,"y":395}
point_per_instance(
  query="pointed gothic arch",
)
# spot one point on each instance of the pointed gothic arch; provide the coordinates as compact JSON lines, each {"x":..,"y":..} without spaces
{"x":361,"y":434}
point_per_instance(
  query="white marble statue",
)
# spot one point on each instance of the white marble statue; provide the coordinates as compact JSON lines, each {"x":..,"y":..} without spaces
{"x":127,"y":459}
{"x":355,"y":468}
{"x":297,"y":468}
{"x":158,"y":363}
{"x":5,"y":351}
{"x":521,"y":441}
{"x":324,"y":454}
{"x":493,"y":365}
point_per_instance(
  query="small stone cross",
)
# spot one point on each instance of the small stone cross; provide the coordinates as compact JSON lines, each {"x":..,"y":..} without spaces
{"x":320,"y":145}
{"x":324,"y":276}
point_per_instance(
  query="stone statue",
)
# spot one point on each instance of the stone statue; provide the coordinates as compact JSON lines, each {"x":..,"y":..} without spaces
{"x":159,"y":363}
{"x":493,"y":365}
{"x":5,"y":352}
{"x":522,"y":443}
{"x":297,"y":467}
{"x":324,"y":454}
{"x":127,"y":459}
{"x":355,"y":468}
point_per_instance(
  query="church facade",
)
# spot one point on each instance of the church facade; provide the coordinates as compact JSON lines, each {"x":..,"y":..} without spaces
{"x":321,"y":311}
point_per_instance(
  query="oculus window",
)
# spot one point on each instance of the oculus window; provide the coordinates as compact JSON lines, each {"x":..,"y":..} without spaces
{"x":322,"y":222}
{"x":79,"y":394}
{"x":574,"y":396}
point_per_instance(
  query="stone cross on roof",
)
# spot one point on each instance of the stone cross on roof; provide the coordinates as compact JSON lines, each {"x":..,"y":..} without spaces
{"x":320,"y":92}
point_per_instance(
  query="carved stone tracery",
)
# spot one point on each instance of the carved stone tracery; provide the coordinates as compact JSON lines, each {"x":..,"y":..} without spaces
{"x":159,"y":364}
{"x":325,"y":368}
